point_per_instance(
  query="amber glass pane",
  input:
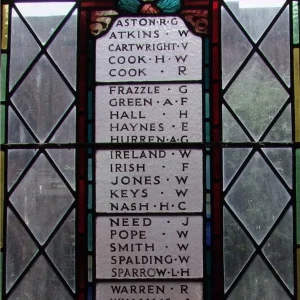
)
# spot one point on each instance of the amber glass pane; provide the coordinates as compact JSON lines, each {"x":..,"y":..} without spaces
{"x":4,"y":33}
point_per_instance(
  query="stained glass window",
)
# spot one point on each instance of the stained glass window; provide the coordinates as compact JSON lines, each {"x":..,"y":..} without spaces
{"x":149,"y":149}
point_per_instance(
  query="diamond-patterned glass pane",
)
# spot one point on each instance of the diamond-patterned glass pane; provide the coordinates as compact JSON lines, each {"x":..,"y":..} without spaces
{"x":258,"y":283}
{"x":279,"y":249}
{"x":281,"y":158}
{"x":24,"y":49}
{"x":232,"y":160}
{"x":63,"y":49}
{"x":256,"y":96}
{"x":40,"y":283}
{"x":41,"y":198}
{"x":65,"y":158}
{"x":257,"y":197}
{"x":62,"y":250}
{"x":232,"y":132}
{"x":235,"y":47}
{"x":237,"y":248}
{"x":282,"y":129}
{"x":65,"y":161}
{"x":254,"y":16}
{"x":20,"y":249}
{"x":17,"y":161}
{"x":17,"y":132}
{"x":44,"y":18}
{"x":276,"y":46}
{"x":42,"y":98}
{"x":66,"y":132}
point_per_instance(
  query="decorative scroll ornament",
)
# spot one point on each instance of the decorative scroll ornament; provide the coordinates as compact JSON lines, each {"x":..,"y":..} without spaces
{"x":101,"y":20}
{"x":198,"y":19}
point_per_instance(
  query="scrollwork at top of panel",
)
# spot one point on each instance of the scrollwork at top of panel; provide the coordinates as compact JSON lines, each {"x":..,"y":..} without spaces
{"x":195,"y":19}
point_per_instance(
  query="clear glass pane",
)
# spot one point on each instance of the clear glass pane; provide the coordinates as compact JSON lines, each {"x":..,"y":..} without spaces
{"x":65,"y":161}
{"x":235,"y":47}
{"x":62,"y":250}
{"x":42,"y":98}
{"x":63,"y":49}
{"x":44,"y":18}
{"x":258,"y":283}
{"x":256,"y":96}
{"x":237,"y":249}
{"x":279,"y":249}
{"x":262,"y":12}
{"x":295,"y":22}
{"x":17,"y":161}
{"x":276,"y":46}
{"x":281,"y":158}
{"x":23,"y":49}
{"x":41,"y":198}
{"x":257,"y":197}
{"x":66,"y":133}
{"x":232,"y":160}
{"x":17,"y":133}
{"x":20,"y":249}
{"x":232,"y":132}
{"x":40,"y":283}
{"x":281,"y":130}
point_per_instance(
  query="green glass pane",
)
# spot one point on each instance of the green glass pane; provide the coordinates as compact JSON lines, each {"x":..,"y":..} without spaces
{"x":2,"y":124}
{"x":90,"y":196}
{"x":90,"y":169}
{"x":207,"y":105}
{"x":208,"y":172}
{"x":3,"y":76}
{"x":295,"y":22}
